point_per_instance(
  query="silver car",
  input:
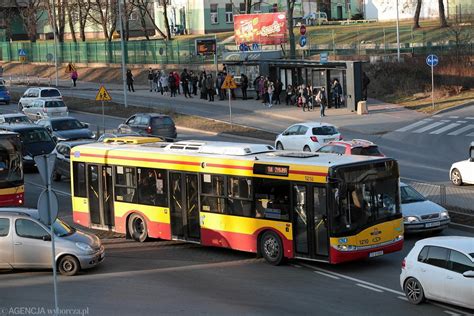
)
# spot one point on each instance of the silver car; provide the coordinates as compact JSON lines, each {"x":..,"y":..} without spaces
{"x":26,"y":243}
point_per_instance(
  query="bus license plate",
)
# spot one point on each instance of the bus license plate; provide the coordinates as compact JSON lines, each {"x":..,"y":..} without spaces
{"x":376,"y":254}
{"x":433,"y":224}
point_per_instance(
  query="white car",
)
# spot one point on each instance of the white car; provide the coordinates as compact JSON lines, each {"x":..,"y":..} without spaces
{"x":42,"y":108}
{"x":308,"y":136}
{"x":463,"y":171}
{"x":441,"y":269}
{"x":33,"y":94}
{"x":420,"y":214}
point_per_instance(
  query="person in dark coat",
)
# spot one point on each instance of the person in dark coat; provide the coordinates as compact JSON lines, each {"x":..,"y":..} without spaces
{"x":277,"y":92}
{"x":130,"y":80}
{"x":210,"y":87}
{"x":336,"y":93}
{"x":244,"y":84}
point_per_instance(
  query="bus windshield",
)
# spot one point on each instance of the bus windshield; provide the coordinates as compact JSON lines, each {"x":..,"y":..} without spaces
{"x":364,"y":197}
{"x":10,"y":160}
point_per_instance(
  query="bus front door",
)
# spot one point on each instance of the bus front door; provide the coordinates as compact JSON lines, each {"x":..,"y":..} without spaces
{"x":184,"y":206}
{"x":310,"y":222}
{"x":101,"y":206}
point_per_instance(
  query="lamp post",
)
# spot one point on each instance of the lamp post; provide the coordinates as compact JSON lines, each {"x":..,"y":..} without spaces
{"x":398,"y":36}
{"x":55,"y":44}
{"x":122,"y":47}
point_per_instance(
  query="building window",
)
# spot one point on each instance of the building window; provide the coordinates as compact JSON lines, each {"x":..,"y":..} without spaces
{"x":242,"y":8}
{"x":214,"y":14}
{"x":229,"y":13}
{"x":257,"y":8}
{"x":133,"y":16}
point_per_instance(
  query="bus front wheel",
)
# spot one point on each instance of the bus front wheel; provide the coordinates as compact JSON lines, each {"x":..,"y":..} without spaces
{"x":137,"y":228}
{"x":271,"y":248}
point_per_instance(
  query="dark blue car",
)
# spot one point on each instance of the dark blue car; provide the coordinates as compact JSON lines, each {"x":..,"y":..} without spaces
{"x":4,"y":95}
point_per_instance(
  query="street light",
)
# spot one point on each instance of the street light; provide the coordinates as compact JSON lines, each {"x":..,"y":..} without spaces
{"x":398,"y":37}
{"x":122,"y":46}
{"x":55,"y":43}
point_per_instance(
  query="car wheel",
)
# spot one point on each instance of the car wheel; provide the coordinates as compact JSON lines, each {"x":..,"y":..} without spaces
{"x":279,"y":146}
{"x":456,"y":178}
{"x":56,"y":176}
{"x":137,"y":228}
{"x":68,"y":265}
{"x":271,"y":248}
{"x":7,"y":102}
{"x":414,"y":291}
{"x":20,"y":107}
{"x":306,"y":148}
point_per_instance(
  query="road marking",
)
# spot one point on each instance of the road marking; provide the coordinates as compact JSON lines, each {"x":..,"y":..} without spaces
{"x":461,"y":121}
{"x":402,"y":298}
{"x":452,"y":313}
{"x":328,"y":275}
{"x":469,"y":118}
{"x":460,"y":312}
{"x":454,"y":117}
{"x":438,"y":115}
{"x":462,"y":130}
{"x":411,"y":126}
{"x":470,"y":135}
{"x":445,"y":128}
{"x":369,"y":288}
{"x":426,"y":128}
{"x":43,"y":187}
{"x":296,"y":266}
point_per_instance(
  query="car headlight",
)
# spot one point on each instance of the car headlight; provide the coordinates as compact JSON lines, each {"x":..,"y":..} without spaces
{"x":444,"y":214}
{"x":27,"y":157}
{"x":410,"y":219}
{"x":85,"y":247}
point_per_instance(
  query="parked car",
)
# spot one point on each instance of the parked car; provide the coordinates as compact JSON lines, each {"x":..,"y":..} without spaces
{"x":115,"y":135}
{"x":3,"y":82}
{"x":66,"y":128}
{"x":26,"y":243}
{"x":441,"y":269}
{"x":35,"y":139}
{"x":420,"y":214}
{"x":15,"y":118}
{"x":463,"y":171}
{"x":62,"y":150}
{"x":33,"y":94}
{"x":40,"y":108}
{"x":4,"y":94}
{"x":316,"y":18}
{"x":150,"y":124}
{"x":352,"y":147}
{"x":308,"y":136}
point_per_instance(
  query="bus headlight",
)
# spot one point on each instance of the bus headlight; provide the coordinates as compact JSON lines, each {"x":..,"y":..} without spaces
{"x":346,"y":247}
{"x":411,"y":219}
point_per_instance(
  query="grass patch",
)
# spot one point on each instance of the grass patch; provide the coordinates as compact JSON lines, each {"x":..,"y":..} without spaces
{"x":189,"y":121}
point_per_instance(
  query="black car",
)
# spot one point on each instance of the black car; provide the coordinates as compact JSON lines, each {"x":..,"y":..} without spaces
{"x":63,"y":151}
{"x":66,"y":128}
{"x":150,"y":124}
{"x":35,"y":139}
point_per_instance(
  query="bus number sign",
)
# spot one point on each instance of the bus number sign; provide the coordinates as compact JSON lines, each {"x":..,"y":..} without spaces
{"x":271,"y":170}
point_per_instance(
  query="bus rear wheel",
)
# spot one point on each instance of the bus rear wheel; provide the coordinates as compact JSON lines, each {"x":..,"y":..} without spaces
{"x":137,"y":228}
{"x":271,"y":248}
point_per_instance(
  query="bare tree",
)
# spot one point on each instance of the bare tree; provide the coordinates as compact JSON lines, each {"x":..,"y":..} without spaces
{"x":60,"y":7}
{"x":71,"y":18}
{"x":78,"y":13}
{"x":164,"y":4}
{"x":248,"y":6}
{"x":442,"y":15}
{"x":30,"y":12}
{"x":104,"y":13}
{"x":10,"y":11}
{"x":416,"y":20}
{"x":143,"y":8}
{"x":290,"y":6}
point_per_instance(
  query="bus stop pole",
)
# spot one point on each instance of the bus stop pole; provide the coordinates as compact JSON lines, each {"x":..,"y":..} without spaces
{"x":432,"y":86}
{"x":215,"y":56}
{"x":230,"y":107}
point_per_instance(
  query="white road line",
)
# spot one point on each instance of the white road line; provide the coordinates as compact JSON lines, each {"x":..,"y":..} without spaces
{"x":460,"y":312}
{"x":426,"y":128}
{"x":438,"y":115}
{"x":469,"y":118}
{"x":462,"y":130}
{"x":402,"y":298}
{"x":369,"y":288}
{"x":328,"y":275}
{"x":42,"y":186}
{"x":461,"y":121}
{"x":452,"y":313}
{"x":453,"y":117}
{"x":296,"y":266}
{"x":342,"y":276}
{"x":411,"y":126}
{"x":445,"y":128}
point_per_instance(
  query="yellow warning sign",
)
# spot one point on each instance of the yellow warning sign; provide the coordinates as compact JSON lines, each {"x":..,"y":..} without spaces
{"x":70,"y":68}
{"x":229,"y":83}
{"x":103,"y":95}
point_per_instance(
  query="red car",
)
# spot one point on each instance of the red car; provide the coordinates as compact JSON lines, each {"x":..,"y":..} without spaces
{"x":352,"y":147}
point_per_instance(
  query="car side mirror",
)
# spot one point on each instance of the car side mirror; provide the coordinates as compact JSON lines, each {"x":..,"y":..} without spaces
{"x":469,"y":274}
{"x":86,"y":125}
{"x":47,"y":238}
{"x":285,"y":133}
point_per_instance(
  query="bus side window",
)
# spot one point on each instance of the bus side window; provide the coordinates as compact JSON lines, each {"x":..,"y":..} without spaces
{"x":239,"y":199}
{"x":125,"y":184}
{"x":273,"y":197}
{"x":79,"y":170}
{"x":213,"y":194}
{"x":152,"y":187}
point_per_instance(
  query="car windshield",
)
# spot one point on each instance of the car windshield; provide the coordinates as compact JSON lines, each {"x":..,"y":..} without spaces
{"x":410,"y":195}
{"x":17,"y":119}
{"x":366,"y":151}
{"x":30,"y":136}
{"x":54,"y":104}
{"x":325,"y":130}
{"x":48,"y":93}
{"x":63,"y":125}
{"x":62,"y":229}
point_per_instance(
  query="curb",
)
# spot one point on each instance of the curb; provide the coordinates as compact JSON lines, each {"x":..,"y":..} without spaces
{"x":453,"y":108}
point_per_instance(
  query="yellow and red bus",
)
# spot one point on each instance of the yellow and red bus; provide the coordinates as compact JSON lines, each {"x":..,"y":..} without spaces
{"x":248,"y":197}
{"x":11,"y":170}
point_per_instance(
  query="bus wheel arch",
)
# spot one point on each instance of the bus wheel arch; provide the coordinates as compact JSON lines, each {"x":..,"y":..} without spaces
{"x":137,"y":227}
{"x":270,"y":247}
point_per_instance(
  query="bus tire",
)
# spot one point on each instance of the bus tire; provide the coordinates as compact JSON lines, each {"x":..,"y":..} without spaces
{"x":68,"y":265}
{"x":137,"y":228}
{"x":271,"y":248}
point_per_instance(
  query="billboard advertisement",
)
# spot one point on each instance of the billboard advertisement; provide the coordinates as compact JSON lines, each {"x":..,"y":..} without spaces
{"x":205,"y":46}
{"x":261,"y":28}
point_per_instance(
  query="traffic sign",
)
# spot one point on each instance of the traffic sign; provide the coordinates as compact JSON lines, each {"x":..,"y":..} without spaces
{"x":432,"y":60}
{"x":229,"y":83}
{"x":303,"y":29}
{"x":21,"y":52}
{"x":255,"y":46}
{"x":323,"y":57}
{"x":45,"y":166}
{"x":47,"y":207}
{"x":22,"y":59}
{"x":303,"y":41}
{"x":103,"y":95}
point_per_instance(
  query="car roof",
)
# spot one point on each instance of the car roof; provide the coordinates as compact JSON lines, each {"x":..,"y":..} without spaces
{"x":315,"y":124}
{"x":20,"y":211}
{"x":12,"y":115}
{"x":44,"y":88}
{"x":76,"y":142}
{"x":63,"y":118}
{"x":151,"y":114}
{"x":20,"y":126}
{"x":459,"y":243}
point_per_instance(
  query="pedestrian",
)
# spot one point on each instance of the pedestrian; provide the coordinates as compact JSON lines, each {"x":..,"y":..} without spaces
{"x":365,"y":84}
{"x":289,"y":95}
{"x":244,"y":83}
{"x":150,"y":78}
{"x":177,"y":80}
{"x":256,"y":86}
{"x":202,"y":85}
{"x":219,"y":82}
{"x":130,"y":80}
{"x":156,"y":80}
{"x":210,"y":88}
{"x":336,"y":93}
{"x":262,"y":86}
{"x":194,"y":82}
{"x":270,"y":91}
{"x":185,"y":83}
{"x":321,"y":99}
{"x":74,"y":77}
{"x":172,"y":84}
{"x":164,"y":84}
{"x":278,"y":90}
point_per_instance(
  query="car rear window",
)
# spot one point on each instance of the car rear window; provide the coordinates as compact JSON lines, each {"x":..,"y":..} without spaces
{"x":325,"y":130}
{"x":333,"y":149}
{"x":366,"y":151}
{"x":54,"y":104}
{"x":160,"y":121}
{"x":48,"y":93}
{"x":17,"y":119}
{"x":3,"y":88}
